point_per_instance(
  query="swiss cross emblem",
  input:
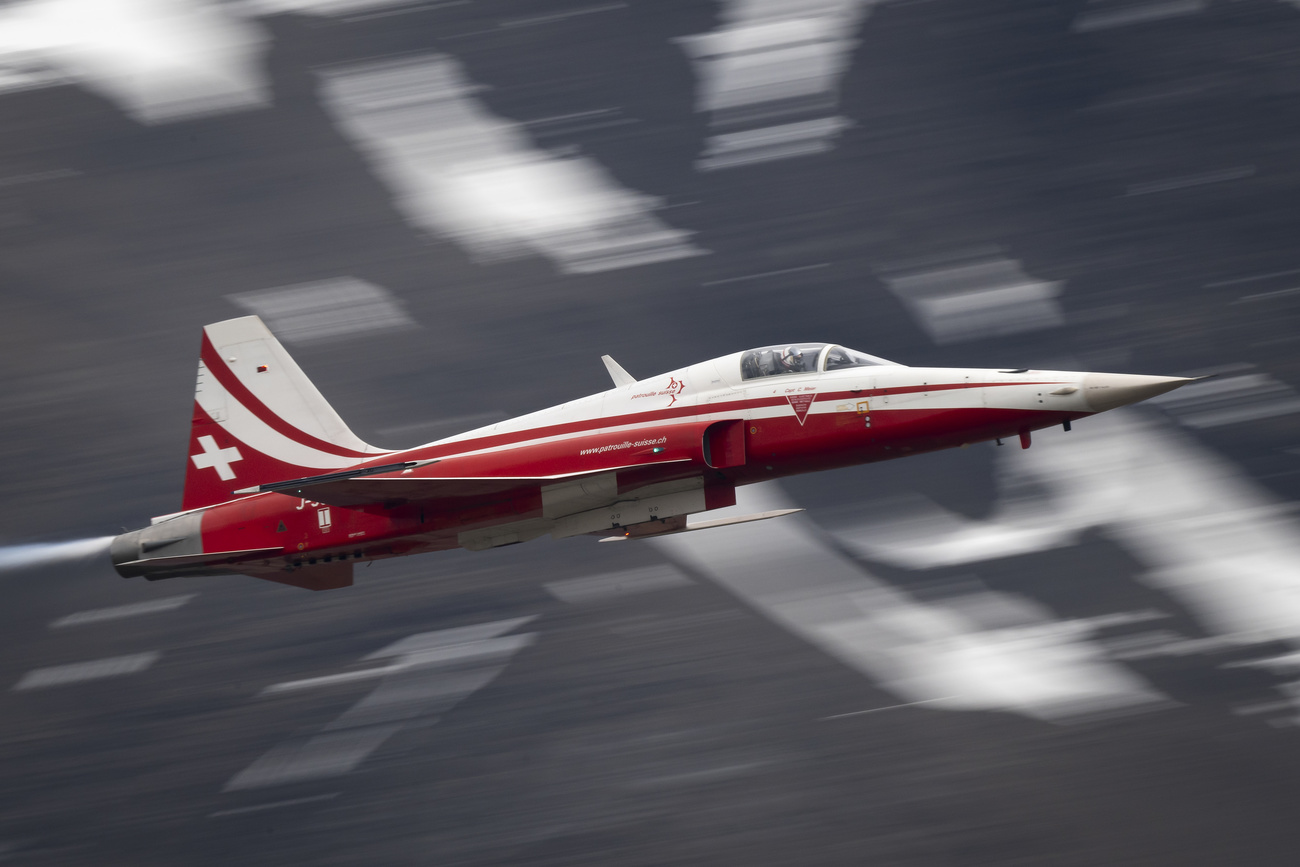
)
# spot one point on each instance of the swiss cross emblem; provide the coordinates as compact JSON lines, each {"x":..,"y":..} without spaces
{"x":801,"y":404}
{"x":218,"y":459}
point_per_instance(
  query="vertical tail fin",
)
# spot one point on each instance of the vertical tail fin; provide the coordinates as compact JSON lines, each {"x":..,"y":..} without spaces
{"x":257,"y":418}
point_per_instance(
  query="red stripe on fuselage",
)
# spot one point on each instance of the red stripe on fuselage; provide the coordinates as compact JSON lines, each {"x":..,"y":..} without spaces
{"x":240,"y":392}
{"x":739,"y":405}
{"x":918,"y":389}
{"x":781,"y":448}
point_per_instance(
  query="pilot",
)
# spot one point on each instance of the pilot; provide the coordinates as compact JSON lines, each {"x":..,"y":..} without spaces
{"x":790,"y":360}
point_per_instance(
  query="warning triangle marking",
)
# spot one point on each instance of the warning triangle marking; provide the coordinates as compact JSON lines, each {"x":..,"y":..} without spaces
{"x":801,"y":404}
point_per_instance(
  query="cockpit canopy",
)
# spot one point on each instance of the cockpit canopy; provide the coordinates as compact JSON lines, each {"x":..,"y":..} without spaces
{"x":802,"y":358}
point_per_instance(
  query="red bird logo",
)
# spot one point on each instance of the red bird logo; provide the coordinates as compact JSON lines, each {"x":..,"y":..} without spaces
{"x":674,"y":388}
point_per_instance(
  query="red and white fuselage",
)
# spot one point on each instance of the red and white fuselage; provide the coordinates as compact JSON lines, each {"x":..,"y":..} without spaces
{"x":278,"y":487}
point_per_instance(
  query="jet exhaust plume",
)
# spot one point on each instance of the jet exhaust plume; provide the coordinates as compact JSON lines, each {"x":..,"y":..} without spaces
{"x":47,"y":553}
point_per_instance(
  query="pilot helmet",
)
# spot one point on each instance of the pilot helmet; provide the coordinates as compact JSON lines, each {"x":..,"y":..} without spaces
{"x":792,"y":358}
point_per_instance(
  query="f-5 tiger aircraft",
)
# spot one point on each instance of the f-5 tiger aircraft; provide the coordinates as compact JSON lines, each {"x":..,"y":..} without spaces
{"x":278,"y":487}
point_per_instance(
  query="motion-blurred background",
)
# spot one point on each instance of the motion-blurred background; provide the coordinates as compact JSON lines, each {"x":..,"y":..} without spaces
{"x":1081,"y":654}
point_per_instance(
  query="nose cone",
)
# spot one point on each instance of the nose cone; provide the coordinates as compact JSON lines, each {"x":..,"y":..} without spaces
{"x":1103,"y":391}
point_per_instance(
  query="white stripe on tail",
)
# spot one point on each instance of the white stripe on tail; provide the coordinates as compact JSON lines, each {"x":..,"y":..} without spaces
{"x":258,"y":419}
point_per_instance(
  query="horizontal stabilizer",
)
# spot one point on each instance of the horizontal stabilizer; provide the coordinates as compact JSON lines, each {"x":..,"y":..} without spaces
{"x":296,"y":485}
{"x":216,"y":558}
{"x":315,"y":576}
{"x":707,"y":525}
{"x":348,"y":490}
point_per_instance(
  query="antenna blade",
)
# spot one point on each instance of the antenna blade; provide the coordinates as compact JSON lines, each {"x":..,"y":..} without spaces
{"x":616,"y":372}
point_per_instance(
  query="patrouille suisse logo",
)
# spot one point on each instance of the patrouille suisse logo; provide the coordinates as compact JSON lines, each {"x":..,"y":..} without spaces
{"x":674,"y":388}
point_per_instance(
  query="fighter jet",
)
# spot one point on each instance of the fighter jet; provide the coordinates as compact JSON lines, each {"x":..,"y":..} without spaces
{"x":279,"y":488}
